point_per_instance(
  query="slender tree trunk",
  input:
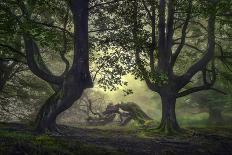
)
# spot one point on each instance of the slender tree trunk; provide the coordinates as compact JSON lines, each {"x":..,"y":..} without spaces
{"x":77,"y":79}
{"x":168,"y":122}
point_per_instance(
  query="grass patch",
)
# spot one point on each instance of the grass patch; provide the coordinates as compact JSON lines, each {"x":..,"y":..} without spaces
{"x":200,"y":119}
{"x":12,"y":142}
{"x":186,"y":132}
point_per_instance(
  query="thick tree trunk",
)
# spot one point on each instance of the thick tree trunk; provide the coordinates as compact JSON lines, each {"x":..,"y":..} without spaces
{"x":45,"y":117}
{"x":77,"y":79}
{"x":168,"y":122}
{"x":57,"y":103}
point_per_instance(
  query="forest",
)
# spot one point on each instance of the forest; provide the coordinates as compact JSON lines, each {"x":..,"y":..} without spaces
{"x":136,"y":77}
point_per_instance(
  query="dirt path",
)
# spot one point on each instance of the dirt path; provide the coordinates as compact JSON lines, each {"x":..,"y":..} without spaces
{"x":134,"y":145}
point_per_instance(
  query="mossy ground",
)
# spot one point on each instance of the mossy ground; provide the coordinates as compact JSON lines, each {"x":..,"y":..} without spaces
{"x":27,"y":143}
{"x":133,"y":139}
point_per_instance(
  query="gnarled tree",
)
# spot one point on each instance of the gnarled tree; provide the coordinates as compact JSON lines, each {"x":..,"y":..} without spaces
{"x":169,"y":85}
{"x":77,"y":78}
{"x":70,"y":85}
{"x":158,"y":34}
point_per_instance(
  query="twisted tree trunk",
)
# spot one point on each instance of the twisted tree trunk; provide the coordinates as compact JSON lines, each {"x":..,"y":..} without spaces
{"x":59,"y":102}
{"x":76,"y":80}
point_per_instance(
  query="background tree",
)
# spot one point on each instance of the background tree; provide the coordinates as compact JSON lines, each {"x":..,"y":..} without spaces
{"x":159,"y":34}
{"x":214,"y":104}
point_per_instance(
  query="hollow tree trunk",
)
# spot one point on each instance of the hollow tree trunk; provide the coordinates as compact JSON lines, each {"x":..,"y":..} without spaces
{"x":168,"y":122}
{"x":77,"y":79}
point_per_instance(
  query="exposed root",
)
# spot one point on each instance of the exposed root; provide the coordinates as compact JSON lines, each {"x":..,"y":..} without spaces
{"x":169,"y":129}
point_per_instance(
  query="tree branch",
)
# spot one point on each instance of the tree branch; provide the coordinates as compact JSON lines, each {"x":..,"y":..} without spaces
{"x":190,"y":46}
{"x":207,"y":85}
{"x":65,"y":48}
{"x":152,"y":17}
{"x":102,"y":30}
{"x":183,"y":35}
{"x":161,"y":29}
{"x":147,"y":10}
{"x":53,"y":26}
{"x":102,"y":4}
{"x":34,"y":58}
{"x":143,"y":71}
{"x":170,"y":28}
{"x":13,"y":49}
{"x":185,"y":78}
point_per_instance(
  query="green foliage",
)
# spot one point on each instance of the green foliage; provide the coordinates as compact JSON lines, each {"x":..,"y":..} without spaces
{"x":196,"y":120}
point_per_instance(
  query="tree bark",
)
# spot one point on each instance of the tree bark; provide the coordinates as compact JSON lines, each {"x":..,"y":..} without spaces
{"x":56,"y":104}
{"x":168,"y":122}
{"x":77,"y":79}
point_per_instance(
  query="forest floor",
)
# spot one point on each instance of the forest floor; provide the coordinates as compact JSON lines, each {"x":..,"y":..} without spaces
{"x":195,"y":141}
